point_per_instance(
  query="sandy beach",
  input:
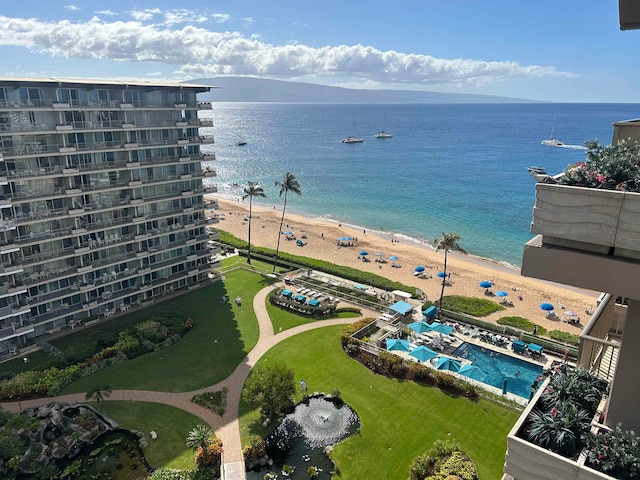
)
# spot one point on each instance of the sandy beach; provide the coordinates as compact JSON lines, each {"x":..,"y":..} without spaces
{"x":466,"y":271}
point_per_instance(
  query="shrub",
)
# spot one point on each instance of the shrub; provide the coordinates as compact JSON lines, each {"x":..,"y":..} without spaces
{"x":255,"y":449}
{"x":476,"y":307}
{"x":522,"y":324}
{"x":345,"y":336}
{"x":458,"y":465}
{"x":391,"y":364}
{"x":214,"y":401}
{"x":209,"y":455}
{"x":420,"y":371}
{"x":444,"y":379}
{"x":565,"y":337}
{"x":614,"y":452}
{"x":152,"y":331}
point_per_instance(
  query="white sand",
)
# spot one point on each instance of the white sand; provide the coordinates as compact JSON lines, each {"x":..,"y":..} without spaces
{"x":466,"y":271}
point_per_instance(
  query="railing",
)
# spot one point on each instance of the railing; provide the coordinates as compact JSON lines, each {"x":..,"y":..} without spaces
{"x":31,"y":216}
{"x":35,"y":173}
{"x":99,"y":166}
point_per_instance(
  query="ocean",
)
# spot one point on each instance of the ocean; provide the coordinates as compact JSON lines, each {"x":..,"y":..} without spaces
{"x":448,"y":168}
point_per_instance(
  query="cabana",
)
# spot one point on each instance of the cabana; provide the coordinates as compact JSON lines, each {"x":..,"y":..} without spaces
{"x":313,"y":302}
{"x":535,"y":349}
{"x":401,"y":308}
{"x":286,"y":293}
{"x":518,"y":346}
{"x":430,"y":312}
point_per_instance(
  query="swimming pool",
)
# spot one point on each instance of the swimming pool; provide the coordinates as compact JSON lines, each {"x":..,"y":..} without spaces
{"x":520,"y":374}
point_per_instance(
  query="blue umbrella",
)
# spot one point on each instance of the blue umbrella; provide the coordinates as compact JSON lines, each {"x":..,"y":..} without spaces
{"x":380,"y":254}
{"x":393,"y":257}
{"x":486,"y":284}
{"x":423,"y":353}
{"x":446,"y":363}
{"x":504,"y":386}
{"x":419,"y":268}
{"x":473,"y":372}
{"x":441,"y":328}
{"x":400,"y":345}
{"x":364,"y":252}
{"x":546,"y":306}
{"x":420,"y":327}
{"x":501,"y":294}
{"x":288,"y":232}
{"x":442,"y":274}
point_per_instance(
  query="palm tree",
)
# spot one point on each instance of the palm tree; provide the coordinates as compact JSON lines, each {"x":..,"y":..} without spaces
{"x":446,"y":242}
{"x":98,"y":393}
{"x":252,"y":189}
{"x":288,"y":183}
{"x":199,"y":436}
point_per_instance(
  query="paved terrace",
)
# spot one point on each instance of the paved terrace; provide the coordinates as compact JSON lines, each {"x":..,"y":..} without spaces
{"x":226,"y":428}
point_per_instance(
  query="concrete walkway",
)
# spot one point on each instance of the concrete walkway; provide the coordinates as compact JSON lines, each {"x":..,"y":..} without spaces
{"x":227,"y":427}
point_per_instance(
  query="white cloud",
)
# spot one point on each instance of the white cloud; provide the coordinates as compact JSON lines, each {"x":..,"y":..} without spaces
{"x":201,"y":52}
{"x":220,"y":17}
{"x":71,"y":7}
{"x":108,"y":13}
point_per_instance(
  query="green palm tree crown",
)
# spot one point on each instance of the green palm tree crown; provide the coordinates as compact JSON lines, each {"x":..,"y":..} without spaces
{"x":252,"y":189}
{"x":288,"y":183}
{"x":98,"y":393}
{"x":447,"y":242}
{"x":199,"y":436}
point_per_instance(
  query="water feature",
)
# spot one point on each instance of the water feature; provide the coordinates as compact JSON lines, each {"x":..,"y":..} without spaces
{"x":301,"y":438}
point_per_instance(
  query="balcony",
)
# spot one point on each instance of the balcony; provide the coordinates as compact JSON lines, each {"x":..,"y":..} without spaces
{"x":209,"y":157}
{"x":207,"y":139}
{"x":205,"y":122}
{"x":587,"y":238}
{"x":205,"y":105}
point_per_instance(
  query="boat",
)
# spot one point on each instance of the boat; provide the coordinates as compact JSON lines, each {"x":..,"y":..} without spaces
{"x":241,"y":143}
{"x":535,"y":170}
{"x":552,"y":142}
{"x":383,"y":134}
{"x":352,"y":138}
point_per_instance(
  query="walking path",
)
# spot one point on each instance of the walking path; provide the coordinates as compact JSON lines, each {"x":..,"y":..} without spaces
{"x":226,"y":428}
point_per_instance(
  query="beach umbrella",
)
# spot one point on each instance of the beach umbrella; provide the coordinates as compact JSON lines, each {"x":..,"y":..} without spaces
{"x":501,"y":294}
{"x":288,"y":232}
{"x":420,"y":327}
{"x":364,"y":252}
{"x":393,"y":258}
{"x":486,"y":284}
{"x":399,"y":345}
{"x":441,"y":328}
{"x":546,"y":306}
{"x":570,"y":314}
{"x":423,"y":353}
{"x":446,"y":363}
{"x":471,"y":371}
{"x":442,"y":274}
{"x":504,"y":386}
{"x":419,"y":268}
{"x":380,"y":254}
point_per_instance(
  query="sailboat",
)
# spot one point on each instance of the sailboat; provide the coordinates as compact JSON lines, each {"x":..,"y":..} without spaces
{"x":383,"y":133}
{"x":552,"y":142}
{"x":352,"y":138}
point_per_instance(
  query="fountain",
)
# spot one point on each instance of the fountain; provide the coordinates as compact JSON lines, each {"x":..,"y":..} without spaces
{"x":300,"y":440}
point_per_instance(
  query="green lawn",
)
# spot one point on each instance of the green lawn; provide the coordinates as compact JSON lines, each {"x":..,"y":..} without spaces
{"x":221,"y":337}
{"x":400,"y":419}
{"x":171,"y":424}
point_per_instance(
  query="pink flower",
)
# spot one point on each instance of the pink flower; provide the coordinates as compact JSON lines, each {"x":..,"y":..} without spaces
{"x":601,"y":178}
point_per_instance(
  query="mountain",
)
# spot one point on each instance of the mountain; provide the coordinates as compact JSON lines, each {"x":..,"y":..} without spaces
{"x":246,"y":89}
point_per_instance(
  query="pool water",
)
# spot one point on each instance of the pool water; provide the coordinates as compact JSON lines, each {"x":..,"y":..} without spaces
{"x":520,"y":374}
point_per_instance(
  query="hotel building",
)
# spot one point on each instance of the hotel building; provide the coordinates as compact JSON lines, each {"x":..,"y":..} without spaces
{"x":101,"y":196}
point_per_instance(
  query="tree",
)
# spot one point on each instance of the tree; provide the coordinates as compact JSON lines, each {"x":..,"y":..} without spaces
{"x":446,"y":242}
{"x":288,"y":183}
{"x":252,"y":189}
{"x":271,"y":389}
{"x":98,"y":393}
{"x":199,"y":436}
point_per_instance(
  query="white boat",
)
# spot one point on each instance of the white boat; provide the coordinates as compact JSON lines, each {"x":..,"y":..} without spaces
{"x":535,"y":170}
{"x":383,"y":134}
{"x":352,"y":138}
{"x":552,"y":142}
{"x":241,"y":143}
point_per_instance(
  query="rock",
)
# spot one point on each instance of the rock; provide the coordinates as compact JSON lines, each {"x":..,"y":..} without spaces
{"x":43,"y":412}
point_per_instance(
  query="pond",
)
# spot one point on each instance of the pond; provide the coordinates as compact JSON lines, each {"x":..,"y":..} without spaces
{"x":301,"y":438}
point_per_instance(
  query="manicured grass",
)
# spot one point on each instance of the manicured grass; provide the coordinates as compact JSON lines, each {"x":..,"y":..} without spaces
{"x":171,"y":424}
{"x":221,"y":337}
{"x":36,"y":359}
{"x":282,"y":319}
{"x":476,"y":307}
{"x":523,"y":324}
{"x":400,"y":419}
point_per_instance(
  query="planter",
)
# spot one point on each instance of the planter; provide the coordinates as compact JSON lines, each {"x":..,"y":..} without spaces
{"x":598,"y":221}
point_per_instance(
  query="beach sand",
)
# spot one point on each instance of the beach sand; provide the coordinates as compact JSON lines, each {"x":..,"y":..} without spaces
{"x":466,"y":271}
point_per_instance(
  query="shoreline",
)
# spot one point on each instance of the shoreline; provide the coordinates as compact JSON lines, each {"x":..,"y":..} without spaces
{"x":467,"y":271}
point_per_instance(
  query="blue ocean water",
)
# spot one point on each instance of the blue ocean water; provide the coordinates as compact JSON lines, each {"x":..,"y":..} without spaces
{"x":451,"y":168}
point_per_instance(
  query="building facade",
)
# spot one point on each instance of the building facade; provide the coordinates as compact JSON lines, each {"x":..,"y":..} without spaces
{"x":102,"y":199}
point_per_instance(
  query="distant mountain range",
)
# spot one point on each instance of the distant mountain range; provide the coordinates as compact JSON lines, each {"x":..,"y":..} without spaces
{"x":245,"y":89}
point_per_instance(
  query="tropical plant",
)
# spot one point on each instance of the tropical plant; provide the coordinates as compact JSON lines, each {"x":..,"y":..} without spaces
{"x":288,"y":183}
{"x":199,"y":436}
{"x":614,"y":167}
{"x":252,"y":189}
{"x":447,"y":242}
{"x":615,"y":452}
{"x":98,"y":393}
{"x":559,"y":430}
{"x":271,"y":389}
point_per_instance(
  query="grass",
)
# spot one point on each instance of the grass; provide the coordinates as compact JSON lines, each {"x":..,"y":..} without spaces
{"x":523,"y":324}
{"x":476,"y":307}
{"x":400,"y":419}
{"x":171,"y":424}
{"x":222,"y":335}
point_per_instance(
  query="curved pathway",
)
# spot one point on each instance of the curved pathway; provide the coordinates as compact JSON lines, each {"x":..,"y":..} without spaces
{"x":227,"y":427}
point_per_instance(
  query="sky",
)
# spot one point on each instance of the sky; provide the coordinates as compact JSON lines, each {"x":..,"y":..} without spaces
{"x":549,"y":50}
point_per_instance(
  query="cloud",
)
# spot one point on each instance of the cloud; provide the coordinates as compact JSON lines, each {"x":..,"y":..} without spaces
{"x":108,"y":13}
{"x":71,"y":7}
{"x":220,"y":17}
{"x":200,"y":52}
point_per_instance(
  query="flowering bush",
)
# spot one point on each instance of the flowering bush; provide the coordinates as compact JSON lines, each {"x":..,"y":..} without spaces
{"x":614,"y":167}
{"x":615,"y":452}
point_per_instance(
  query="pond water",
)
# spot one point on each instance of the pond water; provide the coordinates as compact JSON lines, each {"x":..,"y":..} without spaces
{"x":300,"y":439}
